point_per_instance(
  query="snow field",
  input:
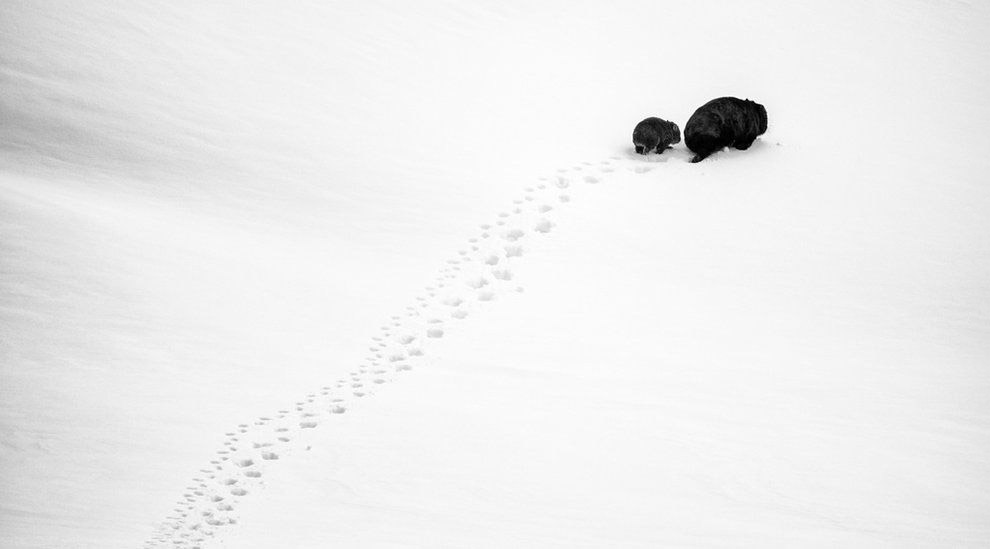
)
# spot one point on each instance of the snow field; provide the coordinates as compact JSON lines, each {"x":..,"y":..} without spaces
{"x":405,"y":254}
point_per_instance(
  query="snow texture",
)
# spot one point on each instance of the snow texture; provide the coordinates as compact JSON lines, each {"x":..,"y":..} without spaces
{"x":390,"y":275}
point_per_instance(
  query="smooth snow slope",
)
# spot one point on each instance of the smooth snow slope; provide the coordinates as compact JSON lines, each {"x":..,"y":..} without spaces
{"x":218,"y":224}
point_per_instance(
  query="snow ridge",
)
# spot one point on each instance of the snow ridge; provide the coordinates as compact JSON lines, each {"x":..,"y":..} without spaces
{"x":479,"y":273}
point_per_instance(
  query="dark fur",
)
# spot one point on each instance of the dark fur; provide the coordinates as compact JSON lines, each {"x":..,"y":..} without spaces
{"x":655,"y":134}
{"x":724,"y":122}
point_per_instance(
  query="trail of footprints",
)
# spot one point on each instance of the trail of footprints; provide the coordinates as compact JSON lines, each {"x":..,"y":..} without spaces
{"x":476,"y":275}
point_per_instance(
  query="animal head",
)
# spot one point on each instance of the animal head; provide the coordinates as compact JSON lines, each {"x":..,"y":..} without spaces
{"x":761,"y":116}
{"x":646,"y":141}
{"x":761,"y":112}
{"x":676,"y":137}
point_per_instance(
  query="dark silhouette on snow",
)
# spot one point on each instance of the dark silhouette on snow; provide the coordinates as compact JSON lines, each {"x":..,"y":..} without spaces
{"x":655,"y":134}
{"x":724,"y":122}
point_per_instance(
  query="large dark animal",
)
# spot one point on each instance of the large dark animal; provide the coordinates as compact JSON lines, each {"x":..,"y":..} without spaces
{"x":655,"y":134}
{"x":724,"y":122}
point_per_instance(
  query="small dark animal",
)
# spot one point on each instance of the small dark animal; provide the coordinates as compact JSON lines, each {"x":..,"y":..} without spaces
{"x":655,"y":134}
{"x":724,"y":122}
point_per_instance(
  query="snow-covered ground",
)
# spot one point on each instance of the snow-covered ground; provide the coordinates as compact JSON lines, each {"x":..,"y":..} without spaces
{"x":388,"y":274}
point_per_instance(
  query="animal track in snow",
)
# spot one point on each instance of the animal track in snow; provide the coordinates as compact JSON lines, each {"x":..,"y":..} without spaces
{"x":398,"y":345}
{"x":513,"y":235}
{"x":476,"y":283}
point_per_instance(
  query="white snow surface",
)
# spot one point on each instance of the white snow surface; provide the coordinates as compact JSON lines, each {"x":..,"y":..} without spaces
{"x":388,"y":274}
